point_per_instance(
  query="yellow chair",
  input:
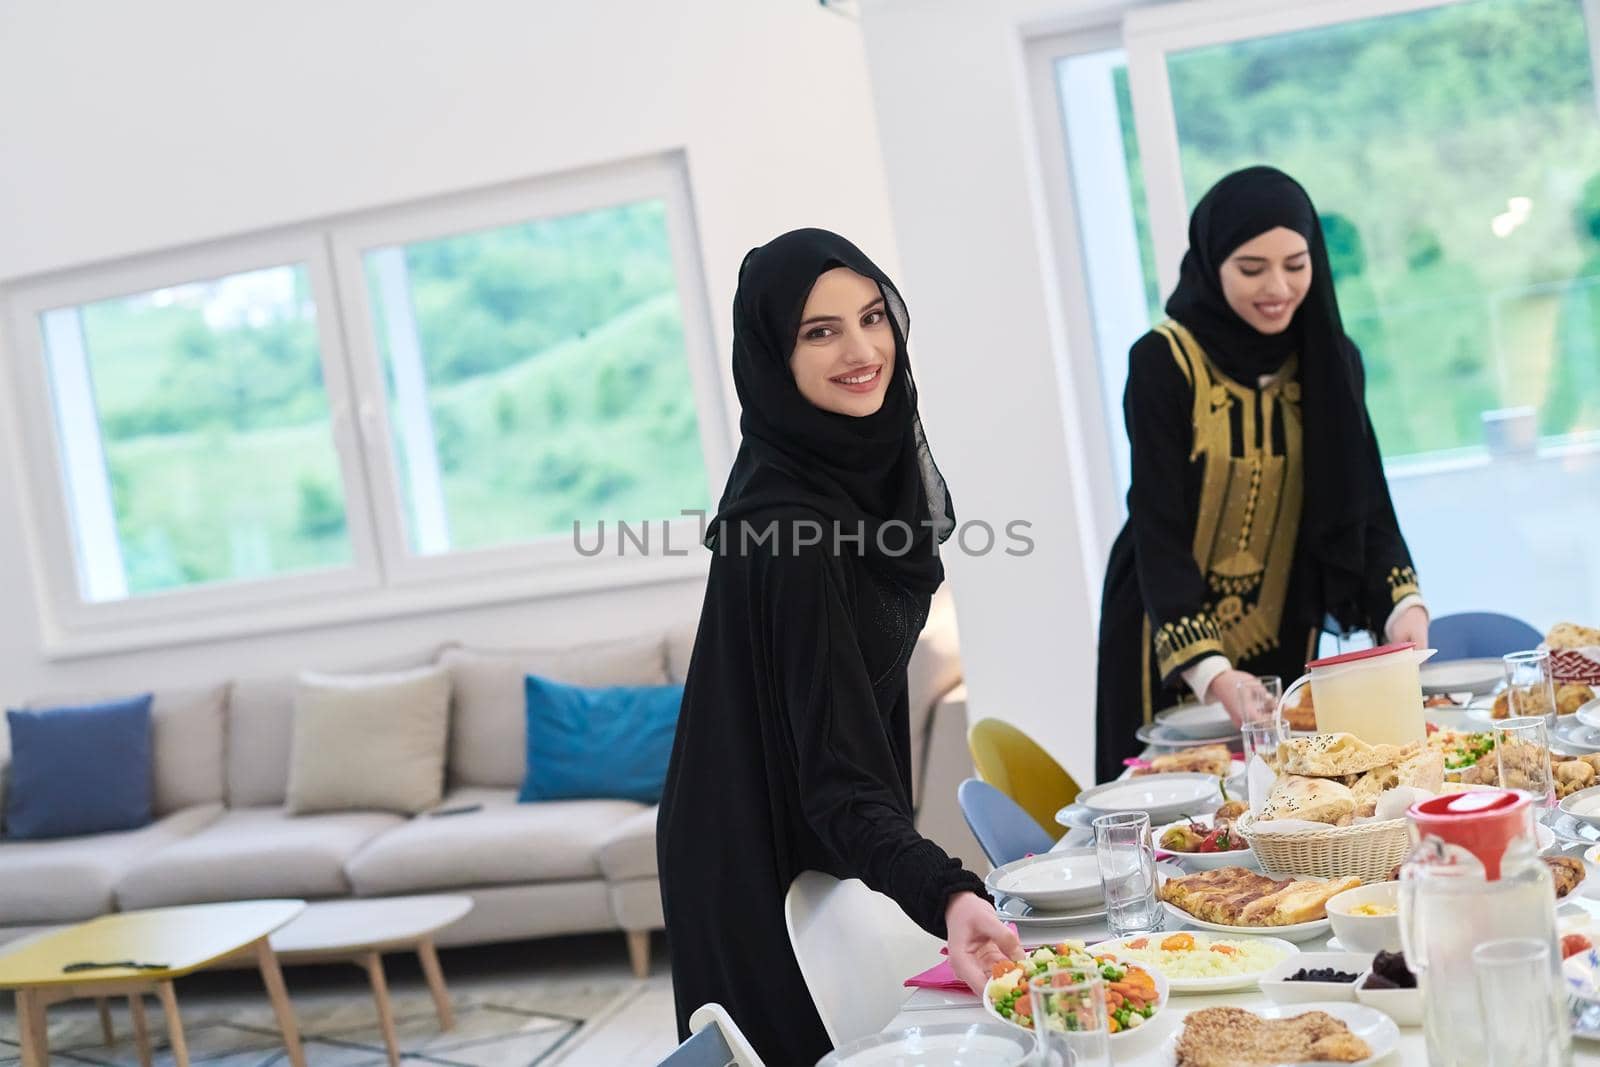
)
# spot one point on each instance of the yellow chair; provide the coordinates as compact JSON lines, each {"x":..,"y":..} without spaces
{"x":1013,"y":763}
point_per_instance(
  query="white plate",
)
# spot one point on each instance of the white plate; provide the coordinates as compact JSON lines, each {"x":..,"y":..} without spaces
{"x":1572,"y":832}
{"x":1297,"y":932}
{"x":1584,"y":805}
{"x":1075,"y":817}
{"x":1578,"y":736}
{"x":1054,"y":881}
{"x":1156,"y":735}
{"x":1277,"y":987}
{"x":1208,"y":721}
{"x":1027,"y":917}
{"x":1370,"y":1025}
{"x":1589,"y":714}
{"x":942,"y":1045}
{"x":1165,"y":796}
{"x":1474,"y":676}
{"x":1220,"y":984}
{"x":1121,"y":1038}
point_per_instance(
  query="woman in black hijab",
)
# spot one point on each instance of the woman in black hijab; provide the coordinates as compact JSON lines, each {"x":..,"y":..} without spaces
{"x":793,"y":749}
{"x":1258,"y":507}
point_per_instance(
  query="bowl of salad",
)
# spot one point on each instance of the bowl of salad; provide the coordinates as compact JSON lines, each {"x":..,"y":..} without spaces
{"x":1209,"y":841}
{"x":1134,"y":994}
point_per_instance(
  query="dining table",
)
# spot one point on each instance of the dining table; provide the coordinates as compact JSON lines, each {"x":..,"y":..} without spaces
{"x":1150,"y":1046}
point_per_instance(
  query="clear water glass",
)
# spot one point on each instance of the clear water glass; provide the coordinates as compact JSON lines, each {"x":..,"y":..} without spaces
{"x":1530,"y":685}
{"x":1259,"y":696}
{"x":1516,"y":982}
{"x":1127,"y":859}
{"x":1070,"y":1023}
{"x":1522,"y":755}
{"x":1261,"y":740}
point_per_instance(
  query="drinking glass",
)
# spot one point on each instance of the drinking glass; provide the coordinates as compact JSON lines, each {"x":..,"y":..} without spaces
{"x":1127,"y":860}
{"x":1259,"y":697}
{"x":1530,"y":685}
{"x":1261,"y":740}
{"x":1069,"y":1017}
{"x":1515,"y":981}
{"x":1522,"y":754}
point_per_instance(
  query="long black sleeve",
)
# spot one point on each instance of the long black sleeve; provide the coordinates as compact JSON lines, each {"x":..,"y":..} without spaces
{"x":1158,"y":407}
{"x":854,"y":794}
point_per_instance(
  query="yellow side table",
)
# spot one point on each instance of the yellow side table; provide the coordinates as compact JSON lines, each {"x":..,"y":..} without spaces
{"x":172,"y":942}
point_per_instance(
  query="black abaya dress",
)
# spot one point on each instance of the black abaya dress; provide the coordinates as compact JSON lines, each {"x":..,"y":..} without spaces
{"x":1210,"y":561}
{"x":793,"y":753}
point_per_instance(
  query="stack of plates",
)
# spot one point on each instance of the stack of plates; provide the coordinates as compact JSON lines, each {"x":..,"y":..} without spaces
{"x":1058,"y":888}
{"x":1475,"y":676}
{"x":1159,"y":735}
{"x":1575,"y":735}
{"x":1164,"y":796}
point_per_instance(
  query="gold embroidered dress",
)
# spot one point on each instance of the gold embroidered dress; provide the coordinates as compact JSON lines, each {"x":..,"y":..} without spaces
{"x":1206,"y":563}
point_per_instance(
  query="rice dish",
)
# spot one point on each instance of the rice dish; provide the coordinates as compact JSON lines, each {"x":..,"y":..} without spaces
{"x":1192,"y":955}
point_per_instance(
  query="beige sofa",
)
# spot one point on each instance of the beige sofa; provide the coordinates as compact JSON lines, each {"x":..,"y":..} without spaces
{"x":221,"y":832}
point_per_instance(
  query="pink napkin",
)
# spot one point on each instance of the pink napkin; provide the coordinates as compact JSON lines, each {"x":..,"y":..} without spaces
{"x":940,"y":976}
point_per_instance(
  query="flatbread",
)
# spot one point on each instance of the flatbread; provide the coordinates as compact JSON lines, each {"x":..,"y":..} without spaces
{"x":1314,"y":799}
{"x":1333,"y":755}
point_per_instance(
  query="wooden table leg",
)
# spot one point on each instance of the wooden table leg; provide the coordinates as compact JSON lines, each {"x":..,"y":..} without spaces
{"x":441,"y":996}
{"x":141,"y":1028}
{"x":169,"y":1004}
{"x":373,"y":963}
{"x":35,"y":1029}
{"x":105,"y":1020}
{"x":272,"y":977}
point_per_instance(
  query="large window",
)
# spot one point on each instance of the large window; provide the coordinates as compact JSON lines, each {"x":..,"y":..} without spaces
{"x":1454,"y":153}
{"x":426,"y":397}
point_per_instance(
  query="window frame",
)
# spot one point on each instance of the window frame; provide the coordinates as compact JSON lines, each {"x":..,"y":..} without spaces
{"x":383,"y":578}
{"x":651,"y":179}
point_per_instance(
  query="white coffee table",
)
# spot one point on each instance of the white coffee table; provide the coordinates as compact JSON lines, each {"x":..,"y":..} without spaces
{"x":360,"y":931}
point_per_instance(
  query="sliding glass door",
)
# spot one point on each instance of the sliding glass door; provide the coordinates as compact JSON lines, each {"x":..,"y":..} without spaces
{"x":1453,"y":151}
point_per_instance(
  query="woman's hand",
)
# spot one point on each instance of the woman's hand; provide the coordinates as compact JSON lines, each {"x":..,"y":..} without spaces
{"x":1412,"y":625}
{"x":1241,"y":693}
{"x":977,"y":939}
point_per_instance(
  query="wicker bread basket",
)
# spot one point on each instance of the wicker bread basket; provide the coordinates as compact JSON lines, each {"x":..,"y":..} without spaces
{"x":1367,"y":850}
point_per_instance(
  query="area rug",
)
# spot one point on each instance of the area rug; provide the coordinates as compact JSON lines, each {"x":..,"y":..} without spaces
{"x":511,"y":1025}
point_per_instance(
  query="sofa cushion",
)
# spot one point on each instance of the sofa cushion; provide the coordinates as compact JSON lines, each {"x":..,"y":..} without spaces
{"x":74,"y":878}
{"x":254,"y":852}
{"x":78,"y":770}
{"x":593,"y":742}
{"x":629,"y":850}
{"x":503,"y":843}
{"x":186,"y":724}
{"x":369,"y":742}
{"x":488,"y":731}
{"x":260,"y":731}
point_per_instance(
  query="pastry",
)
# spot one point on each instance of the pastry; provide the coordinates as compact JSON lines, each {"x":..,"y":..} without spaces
{"x":1313,"y":799}
{"x":1233,"y":896}
{"x":1203,"y":759}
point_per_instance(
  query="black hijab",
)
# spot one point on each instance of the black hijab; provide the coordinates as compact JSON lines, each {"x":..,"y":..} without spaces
{"x":859,"y":473}
{"x":1343,"y":474}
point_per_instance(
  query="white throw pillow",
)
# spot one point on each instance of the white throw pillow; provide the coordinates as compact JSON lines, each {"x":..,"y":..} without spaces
{"x":369,"y":742}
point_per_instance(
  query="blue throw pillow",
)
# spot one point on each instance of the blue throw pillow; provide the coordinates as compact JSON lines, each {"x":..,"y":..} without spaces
{"x":612,"y":741}
{"x":79,"y":770}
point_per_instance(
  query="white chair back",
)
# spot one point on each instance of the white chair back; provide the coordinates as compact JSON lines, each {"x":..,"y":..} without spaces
{"x":715,"y":1040}
{"x":855,"y":949}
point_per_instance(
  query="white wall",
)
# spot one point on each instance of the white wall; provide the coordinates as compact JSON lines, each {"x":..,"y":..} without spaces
{"x":949,"y":81}
{"x":126,"y":128}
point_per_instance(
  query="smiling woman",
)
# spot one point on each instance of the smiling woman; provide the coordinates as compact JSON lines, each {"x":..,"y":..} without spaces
{"x":844,"y":357}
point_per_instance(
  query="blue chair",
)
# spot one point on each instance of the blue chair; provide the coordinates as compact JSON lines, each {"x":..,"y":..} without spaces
{"x":1005,"y":831}
{"x":1480,"y":635}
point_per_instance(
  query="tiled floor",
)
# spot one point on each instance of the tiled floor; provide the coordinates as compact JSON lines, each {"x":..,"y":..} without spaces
{"x":570,"y":1001}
